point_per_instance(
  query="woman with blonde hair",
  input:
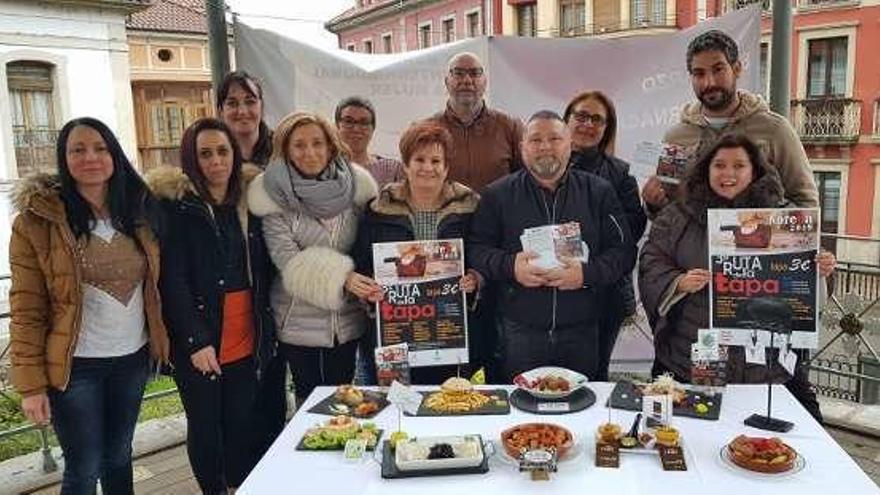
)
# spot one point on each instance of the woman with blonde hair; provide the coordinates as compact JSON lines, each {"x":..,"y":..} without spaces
{"x":311,"y":198}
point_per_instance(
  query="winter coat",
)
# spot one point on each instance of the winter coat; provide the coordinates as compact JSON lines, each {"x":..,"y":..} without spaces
{"x":770,"y":131}
{"x":616,"y":172}
{"x":193,"y":267}
{"x":516,"y":202}
{"x":677,"y":243}
{"x":310,"y":305}
{"x":46,"y":300}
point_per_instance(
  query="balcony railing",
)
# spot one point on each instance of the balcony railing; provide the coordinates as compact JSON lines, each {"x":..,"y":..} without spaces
{"x":766,"y":5}
{"x":827,"y":119}
{"x":825,"y":4}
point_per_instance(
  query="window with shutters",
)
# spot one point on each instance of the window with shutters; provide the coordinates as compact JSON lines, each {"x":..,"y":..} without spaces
{"x":34,"y":125}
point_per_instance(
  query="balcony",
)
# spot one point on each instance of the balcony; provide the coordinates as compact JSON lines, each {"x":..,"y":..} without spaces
{"x":808,"y":5}
{"x":766,"y":5}
{"x":827,"y":120}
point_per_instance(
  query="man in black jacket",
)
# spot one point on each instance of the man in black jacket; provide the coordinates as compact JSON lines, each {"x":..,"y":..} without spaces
{"x":549,"y":316}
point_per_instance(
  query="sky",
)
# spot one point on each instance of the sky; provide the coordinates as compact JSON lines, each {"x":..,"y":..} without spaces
{"x":311,"y":14}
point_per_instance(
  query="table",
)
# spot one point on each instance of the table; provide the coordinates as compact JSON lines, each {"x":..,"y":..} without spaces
{"x":829,"y":470}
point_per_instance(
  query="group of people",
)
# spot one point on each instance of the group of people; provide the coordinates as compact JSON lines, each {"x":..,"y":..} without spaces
{"x":255,"y":255}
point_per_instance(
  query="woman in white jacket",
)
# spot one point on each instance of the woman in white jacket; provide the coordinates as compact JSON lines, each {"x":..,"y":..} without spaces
{"x":311,"y":198}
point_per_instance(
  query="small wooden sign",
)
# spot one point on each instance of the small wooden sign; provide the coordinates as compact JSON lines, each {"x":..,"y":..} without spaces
{"x":672,"y":458}
{"x":607,"y":455}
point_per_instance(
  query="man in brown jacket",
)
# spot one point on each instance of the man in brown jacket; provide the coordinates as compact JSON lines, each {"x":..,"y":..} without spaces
{"x":485,"y":141}
{"x":714,"y":66}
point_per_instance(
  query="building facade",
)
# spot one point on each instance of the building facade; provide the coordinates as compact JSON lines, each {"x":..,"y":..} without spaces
{"x":835,"y":108}
{"x":170,"y":76}
{"x":394,"y":26}
{"x":60,"y":60}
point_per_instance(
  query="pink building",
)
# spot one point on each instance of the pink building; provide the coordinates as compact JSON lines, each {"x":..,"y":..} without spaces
{"x":392,"y":26}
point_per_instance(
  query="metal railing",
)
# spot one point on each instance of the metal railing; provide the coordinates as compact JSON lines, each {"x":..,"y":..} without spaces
{"x":766,"y":5}
{"x":827,"y":119}
{"x":825,"y":4}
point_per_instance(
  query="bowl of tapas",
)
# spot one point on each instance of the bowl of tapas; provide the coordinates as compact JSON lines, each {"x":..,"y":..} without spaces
{"x":533,"y":436}
{"x":768,"y":456}
{"x":550,"y":382}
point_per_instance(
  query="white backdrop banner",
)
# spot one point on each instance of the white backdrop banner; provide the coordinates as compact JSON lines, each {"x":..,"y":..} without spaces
{"x":645,"y":76}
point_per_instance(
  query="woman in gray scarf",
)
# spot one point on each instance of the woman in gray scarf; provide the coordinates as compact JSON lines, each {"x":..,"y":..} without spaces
{"x":311,"y":198}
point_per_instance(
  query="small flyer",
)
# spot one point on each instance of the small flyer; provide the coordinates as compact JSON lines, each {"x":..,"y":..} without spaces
{"x":392,"y":364}
{"x":552,"y":243}
{"x":671,"y":167}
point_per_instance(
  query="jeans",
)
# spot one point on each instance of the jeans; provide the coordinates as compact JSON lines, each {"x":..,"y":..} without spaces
{"x":314,"y":366}
{"x":94,"y":419}
{"x":572,"y":346}
{"x":224,"y":433}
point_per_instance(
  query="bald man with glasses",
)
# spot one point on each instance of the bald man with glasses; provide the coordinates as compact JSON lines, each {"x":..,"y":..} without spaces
{"x":485,"y":141}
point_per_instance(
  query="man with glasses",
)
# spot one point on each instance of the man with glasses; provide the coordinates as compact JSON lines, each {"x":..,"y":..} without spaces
{"x":486,"y":141}
{"x":356,"y":120}
{"x":714,"y":66}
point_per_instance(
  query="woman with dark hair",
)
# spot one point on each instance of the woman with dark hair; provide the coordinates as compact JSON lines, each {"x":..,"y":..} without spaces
{"x":85,"y":305}
{"x":673,"y":270}
{"x":592,"y":121}
{"x":215,"y":280}
{"x":426,"y":205}
{"x":311,"y":198}
{"x":240,"y":107}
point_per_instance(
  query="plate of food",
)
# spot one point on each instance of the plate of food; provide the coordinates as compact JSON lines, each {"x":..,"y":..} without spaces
{"x":333,"y":434}
{"x":533,"y":436}
{"x":690,"y":403}
{"x":457,"y":397}
{"x":550,"y":382}
{"x":765,"y":457}
{"x":438,"y":453}
{"x":349,"y":400}
{"x":635,"y":441}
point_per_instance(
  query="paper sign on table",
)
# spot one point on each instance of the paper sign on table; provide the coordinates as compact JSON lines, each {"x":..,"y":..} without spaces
{"x":404,"y":397}
{"x":657,"y":409}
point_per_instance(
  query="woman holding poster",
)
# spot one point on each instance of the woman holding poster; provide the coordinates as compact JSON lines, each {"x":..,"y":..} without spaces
{"x":311,"y":198}
{"x":673,"y":273}
{"x":424,"y":206}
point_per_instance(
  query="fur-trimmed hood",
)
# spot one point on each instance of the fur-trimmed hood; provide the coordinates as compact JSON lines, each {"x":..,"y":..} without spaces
{"x":764,"y":192}
{"x":171,"y":183}
{"x":41,"y":194}
{"x":260,"y":204}
{"x":750,"y":103}
{"x":456,"y":198}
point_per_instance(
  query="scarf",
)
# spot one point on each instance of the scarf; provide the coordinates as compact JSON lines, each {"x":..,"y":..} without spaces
{"x":326,"y":196}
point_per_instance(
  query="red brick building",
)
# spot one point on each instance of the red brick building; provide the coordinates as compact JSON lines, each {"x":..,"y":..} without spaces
{"x":392,"y":26}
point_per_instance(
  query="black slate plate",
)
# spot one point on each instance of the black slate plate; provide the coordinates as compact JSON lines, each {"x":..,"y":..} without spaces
{"x":390,"y":471}
{"x":323,"y":407}
{"x":579,"y":400}
{"x":627,"y":396}
{"x":499,"y":406}
{"x":301,"y":445}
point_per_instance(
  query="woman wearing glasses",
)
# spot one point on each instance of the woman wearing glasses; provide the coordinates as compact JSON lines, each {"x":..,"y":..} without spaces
{"x":592,"y":121}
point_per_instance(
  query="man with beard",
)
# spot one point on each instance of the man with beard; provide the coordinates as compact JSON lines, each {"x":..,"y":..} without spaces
{"x":714,"y":66}
{"x":549,"y":316}
{"x":486,"y":141}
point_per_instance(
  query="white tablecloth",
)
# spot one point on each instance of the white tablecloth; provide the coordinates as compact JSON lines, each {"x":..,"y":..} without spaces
{"x":829,"y":470}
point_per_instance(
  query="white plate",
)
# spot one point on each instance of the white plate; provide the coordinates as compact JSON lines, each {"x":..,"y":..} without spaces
{"x":575,"y":380}
{"x":799,"y":464}
{"x":433,"y":464}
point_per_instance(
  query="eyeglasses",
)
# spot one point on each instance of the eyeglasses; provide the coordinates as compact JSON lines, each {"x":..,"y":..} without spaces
{"x":593,"y":118}
{"x":350,"y":123}
{"x":460,"y":73}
